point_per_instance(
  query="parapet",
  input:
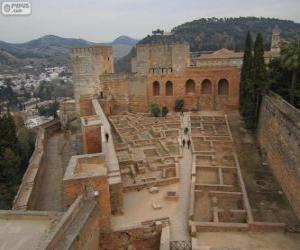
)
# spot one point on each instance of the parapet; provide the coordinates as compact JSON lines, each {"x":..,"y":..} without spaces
{"x":95,"y":49}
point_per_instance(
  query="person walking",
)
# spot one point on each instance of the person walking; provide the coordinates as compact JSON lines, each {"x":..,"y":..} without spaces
{"x":189,"y":143}
{"x":183,"y":142}
{"x":106,"y":136}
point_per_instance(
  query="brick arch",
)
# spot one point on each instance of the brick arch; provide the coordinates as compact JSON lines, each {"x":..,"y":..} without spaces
{"x":169,"y":88}
{"x":190,"y":87}
{"x":155,"y":88}
{"x":223,"y":87}
{"x":206,"y":87}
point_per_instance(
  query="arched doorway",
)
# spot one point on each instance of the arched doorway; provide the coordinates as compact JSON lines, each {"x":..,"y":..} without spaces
{"x":206,"y":87}
{"x":155,"y":88}
{"x":223,"y":87}
{"x":190,"y":87}
{"x":169,"y":88}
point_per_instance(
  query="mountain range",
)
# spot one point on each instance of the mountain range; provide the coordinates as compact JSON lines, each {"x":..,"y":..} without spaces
{"x":54,"y":50}
{"x":204,"y":34}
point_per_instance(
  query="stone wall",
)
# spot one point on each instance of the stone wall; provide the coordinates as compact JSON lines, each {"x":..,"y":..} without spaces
{"x":279,"y":137}
{"x":27,"y":196}
{"x":115,"y":93}
{"x":161,"y":58}
{"x":136,"y":237}
{"x":77,"y":229}
{"x":87,"y":175}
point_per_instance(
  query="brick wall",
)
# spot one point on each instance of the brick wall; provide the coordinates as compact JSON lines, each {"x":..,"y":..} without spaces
{"x":197,"y":100}
{"x":279,"y":137}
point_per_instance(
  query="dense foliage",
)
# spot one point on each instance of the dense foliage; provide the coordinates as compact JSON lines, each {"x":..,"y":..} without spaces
{"x":16,"y":147}
{"x":55,"y":88}
{"x":49,"y":110}
{"x":253,"y":81}
{"x":216,"y":33}
{"x":290,"y":60}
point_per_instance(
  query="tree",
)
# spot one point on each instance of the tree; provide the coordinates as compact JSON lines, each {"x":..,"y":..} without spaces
{"x":179,"y":104}
{"x":290,"y":59}
{"x":246,"y":75}
{"x":164,"y":111}
{"x":8,"y":133}
{"x":260,"y":83}
{"x":254,"y":82}
{"x":155,"y":109}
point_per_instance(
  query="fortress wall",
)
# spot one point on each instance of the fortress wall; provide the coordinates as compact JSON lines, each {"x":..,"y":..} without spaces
{"x":87,"y":64}
{"x":200,"y":101}
{"x":115,"y":93}
{"x":26,"y":198}
{"x":161,"y":56}
{"x":279,"y":138}
{"x":138,"y":100}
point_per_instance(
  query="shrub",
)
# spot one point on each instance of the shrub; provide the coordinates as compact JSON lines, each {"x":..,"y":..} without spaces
{"x":164,"y":111}
{"x":155,"y":109}
{"x":179,"y":105}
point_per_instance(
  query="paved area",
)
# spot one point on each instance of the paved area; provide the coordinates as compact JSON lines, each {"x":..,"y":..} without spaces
{"x":248,"y":241}
{"x":19,"y":234}
{"x":58,"y":153}
{"x":179,"y":231}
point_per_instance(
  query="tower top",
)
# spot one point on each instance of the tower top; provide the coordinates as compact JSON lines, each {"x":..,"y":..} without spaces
{"x":276,"y":30}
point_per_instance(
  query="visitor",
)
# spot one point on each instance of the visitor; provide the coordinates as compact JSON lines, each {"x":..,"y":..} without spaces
{"x":189,"y":143}
{"x":183,"y":142}
{"x":106,"y":136}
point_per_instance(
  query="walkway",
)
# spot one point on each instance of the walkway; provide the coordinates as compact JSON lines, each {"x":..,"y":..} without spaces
{"x":179,"y":231}
{"x":57,"y":154}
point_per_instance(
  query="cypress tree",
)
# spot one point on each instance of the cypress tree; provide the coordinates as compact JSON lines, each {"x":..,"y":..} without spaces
{"x":259,"y":74}
{"x":246,"y":74}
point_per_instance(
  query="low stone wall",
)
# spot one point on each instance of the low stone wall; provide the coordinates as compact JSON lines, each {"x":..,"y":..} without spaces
{"x":77,"y":229}
{"x":27,"y":195}
{"x":279,"y":136}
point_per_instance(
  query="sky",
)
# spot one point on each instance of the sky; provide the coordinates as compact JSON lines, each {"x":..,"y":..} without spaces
{"x":105,"y":20}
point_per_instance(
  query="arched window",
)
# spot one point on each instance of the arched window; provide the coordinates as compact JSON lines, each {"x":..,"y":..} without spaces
{"x":223,"y":87}
{"x":169,"y":88}
{"x":206,"y":88}
{"x":155,"y":87}
{"x":190,"y":87}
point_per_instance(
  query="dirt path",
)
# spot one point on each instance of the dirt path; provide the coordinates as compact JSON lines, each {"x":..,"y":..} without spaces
{"x":58,"y":152}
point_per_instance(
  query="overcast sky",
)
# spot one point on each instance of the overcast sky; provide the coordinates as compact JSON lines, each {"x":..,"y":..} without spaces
{"x":104,"y":20}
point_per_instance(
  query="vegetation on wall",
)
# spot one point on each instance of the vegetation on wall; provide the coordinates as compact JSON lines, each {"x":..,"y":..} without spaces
{"x":179,"y":104}
{"x":155,"y":110}
{"x":16,"y":146}
{"x":164,"y":111}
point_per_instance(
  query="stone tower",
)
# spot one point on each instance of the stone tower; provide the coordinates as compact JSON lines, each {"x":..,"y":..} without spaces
{"x":275,"y":42}
{"x":87,"y":65}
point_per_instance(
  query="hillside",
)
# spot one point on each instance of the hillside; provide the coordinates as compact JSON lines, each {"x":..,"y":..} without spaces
{"x":207,"y":34}
{"x":54,"y":50}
